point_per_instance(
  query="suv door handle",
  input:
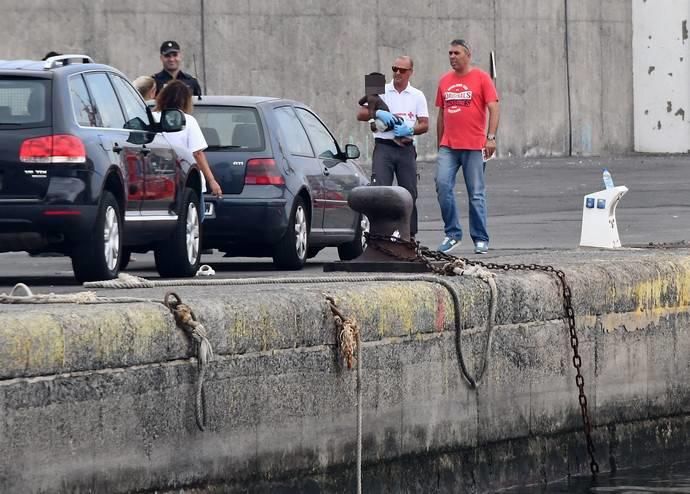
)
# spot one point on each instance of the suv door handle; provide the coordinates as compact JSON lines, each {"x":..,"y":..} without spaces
{"x":117,"y":148}
{"x":145,"y":151}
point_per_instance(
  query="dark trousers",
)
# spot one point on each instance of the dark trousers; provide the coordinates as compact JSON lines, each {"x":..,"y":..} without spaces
{"x":390,"y":160}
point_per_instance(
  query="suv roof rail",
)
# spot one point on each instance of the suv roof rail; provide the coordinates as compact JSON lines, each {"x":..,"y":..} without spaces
{"x":62,"y":60}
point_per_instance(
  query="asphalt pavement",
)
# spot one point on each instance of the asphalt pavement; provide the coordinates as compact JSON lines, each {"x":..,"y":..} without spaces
{"x":535,"y":205}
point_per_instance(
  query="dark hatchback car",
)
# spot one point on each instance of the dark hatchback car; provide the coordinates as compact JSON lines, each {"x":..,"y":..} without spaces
{"x":86,"y":171}
{"x":285,"y":181}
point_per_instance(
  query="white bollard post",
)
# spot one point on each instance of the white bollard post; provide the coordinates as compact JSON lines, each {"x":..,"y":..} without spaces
{"x":599,"y":227}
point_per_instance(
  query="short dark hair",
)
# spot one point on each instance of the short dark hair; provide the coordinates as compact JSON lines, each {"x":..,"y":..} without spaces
{"x":463,"y":43}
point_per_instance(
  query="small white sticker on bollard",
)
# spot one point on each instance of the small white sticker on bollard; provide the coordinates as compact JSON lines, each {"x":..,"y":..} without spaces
{"x":599,"y":227}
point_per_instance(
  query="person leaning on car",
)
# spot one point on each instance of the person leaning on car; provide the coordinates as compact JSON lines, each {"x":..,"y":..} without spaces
{"x":176,"y":95}
{"x":171,"y":58}
{"x":390,"y":158}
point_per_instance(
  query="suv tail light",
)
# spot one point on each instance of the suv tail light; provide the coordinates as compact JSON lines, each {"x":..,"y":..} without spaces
{"x":60,"y":148}
{"x":263,"y":171}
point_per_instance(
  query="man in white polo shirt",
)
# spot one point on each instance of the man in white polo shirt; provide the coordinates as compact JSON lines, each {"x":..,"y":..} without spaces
{"x":390,"y":158}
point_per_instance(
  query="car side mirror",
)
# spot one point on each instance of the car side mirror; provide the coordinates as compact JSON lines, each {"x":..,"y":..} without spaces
{"x":172,"y":121}
{"x":351,"y":151}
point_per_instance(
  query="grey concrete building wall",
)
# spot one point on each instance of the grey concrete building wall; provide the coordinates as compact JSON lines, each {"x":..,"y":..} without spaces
{"x":555,"y":101}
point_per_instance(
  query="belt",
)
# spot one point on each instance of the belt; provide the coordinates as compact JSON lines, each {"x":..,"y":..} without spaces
{"x":390,"y":142}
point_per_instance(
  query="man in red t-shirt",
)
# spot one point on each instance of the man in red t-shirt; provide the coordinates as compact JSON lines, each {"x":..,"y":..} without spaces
{"x":463,"y":96}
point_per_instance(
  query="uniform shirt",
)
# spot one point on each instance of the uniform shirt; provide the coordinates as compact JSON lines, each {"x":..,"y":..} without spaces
{"x":463,"y":100}
{"x":189,"y":138}
{"x":410,"y":104}
{"x":163,"y":77}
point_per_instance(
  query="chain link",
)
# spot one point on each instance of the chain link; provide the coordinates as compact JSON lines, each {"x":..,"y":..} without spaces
{"x":432,"y":258}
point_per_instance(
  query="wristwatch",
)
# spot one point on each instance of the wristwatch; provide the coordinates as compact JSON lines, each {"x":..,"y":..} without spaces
{"x":490,"y":137}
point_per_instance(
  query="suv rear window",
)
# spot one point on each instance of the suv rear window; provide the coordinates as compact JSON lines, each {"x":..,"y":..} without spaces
{"x":24,"y":102}
{"x":230,"y":127}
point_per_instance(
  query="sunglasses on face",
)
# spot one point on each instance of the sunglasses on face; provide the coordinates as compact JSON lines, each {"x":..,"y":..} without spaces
{"x":399,"y":69}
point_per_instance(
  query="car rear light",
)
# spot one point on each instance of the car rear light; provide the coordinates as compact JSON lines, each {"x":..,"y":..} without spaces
{"x":263,"y":171}
{"x":61,"y":148}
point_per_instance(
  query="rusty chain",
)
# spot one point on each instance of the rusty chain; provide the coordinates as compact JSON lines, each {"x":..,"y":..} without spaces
{"x":432,"y":258}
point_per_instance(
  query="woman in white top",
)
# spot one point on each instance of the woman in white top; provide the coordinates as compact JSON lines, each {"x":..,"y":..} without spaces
{"x":177,"y":95}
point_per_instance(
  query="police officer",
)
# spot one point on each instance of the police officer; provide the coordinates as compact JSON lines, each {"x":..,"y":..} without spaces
{"x":171,"y":58}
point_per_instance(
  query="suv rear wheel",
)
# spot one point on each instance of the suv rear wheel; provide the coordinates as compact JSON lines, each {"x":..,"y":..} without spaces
{"x":97,"y":257}
{"x":180,"y":255}
{"x":291,"y":251}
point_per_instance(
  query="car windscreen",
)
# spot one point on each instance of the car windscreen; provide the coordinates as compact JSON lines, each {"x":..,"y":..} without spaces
{"x":24,"y":102}
{"x":230,"y":127}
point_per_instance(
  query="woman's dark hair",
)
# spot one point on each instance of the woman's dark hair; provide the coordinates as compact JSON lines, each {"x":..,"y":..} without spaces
{"x":175,"y":95}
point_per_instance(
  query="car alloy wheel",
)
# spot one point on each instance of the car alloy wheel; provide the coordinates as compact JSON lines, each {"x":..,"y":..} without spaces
{"x":364,"y":228}
{"x":96,"y":253}
{"x":111,"y":238}
{"x":291,"y":251}
{"x":301,"y":232}
{"x":192,"y":233}
{"x":179,"y":255}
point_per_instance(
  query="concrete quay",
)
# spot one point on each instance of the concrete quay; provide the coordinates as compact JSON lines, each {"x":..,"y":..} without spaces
{"x":100,"y":398}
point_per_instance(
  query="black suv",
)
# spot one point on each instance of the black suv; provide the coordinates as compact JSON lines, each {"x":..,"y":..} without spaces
{"x":85,"y":170}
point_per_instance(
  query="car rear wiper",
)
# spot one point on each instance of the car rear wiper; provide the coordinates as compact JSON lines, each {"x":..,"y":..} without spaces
{"x":213,"y":148}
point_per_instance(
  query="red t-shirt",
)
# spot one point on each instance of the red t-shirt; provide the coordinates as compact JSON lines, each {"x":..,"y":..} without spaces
{"x":464,"y":99}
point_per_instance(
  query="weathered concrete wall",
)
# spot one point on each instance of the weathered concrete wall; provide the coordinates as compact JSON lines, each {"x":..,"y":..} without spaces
{"x":100,"y":398}
{"x":661,"y":72}
{"x":554,"y":101}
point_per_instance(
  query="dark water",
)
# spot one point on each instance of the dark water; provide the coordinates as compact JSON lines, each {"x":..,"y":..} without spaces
{"x":673,"y":478}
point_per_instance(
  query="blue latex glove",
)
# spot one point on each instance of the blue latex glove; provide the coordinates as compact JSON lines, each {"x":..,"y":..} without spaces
{"x":386,"y":117}
{"x":403,"y":130}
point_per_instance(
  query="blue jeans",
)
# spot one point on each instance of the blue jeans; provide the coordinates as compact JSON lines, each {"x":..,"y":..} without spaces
{"x":472,"y":164}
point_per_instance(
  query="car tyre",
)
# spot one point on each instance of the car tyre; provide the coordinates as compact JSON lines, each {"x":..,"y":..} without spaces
{"x":125,"y":257}
{"x":355,"y":248}
{"x":97,"y":257}
{"x":291,"y":251}
{"x":313,"y":252}
{"x":180,"y":255}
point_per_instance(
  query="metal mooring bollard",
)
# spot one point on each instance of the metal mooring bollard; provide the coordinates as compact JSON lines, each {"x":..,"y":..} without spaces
{"x":389,"y":209}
